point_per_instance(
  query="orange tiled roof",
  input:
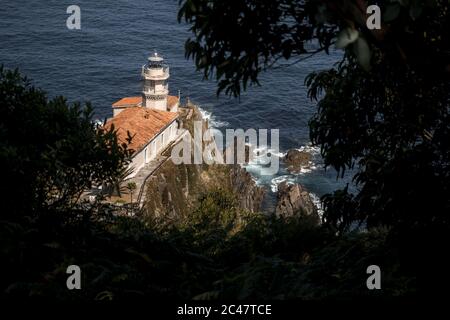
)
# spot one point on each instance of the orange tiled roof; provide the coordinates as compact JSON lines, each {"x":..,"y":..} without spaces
{"x":128,"y":102}
{"x":142,"y":123}
{"x":171,"y":100}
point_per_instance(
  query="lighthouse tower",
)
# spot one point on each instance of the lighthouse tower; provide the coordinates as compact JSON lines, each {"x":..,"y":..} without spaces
{"x":156,"y":89}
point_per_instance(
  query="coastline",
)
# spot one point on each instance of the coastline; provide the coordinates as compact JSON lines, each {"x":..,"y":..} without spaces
{"x":269,"y":184}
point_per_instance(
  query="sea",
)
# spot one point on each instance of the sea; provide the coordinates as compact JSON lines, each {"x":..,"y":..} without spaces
{"x":101,"y":63}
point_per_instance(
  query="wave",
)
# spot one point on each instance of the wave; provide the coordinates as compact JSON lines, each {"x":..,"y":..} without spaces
{"x":313,"y":150}
{"x":276,"y":181}
{"x":257,"y":165}
{"x":212,"y":119}
{"x":261,"y":151}
{"x":304,"y":170}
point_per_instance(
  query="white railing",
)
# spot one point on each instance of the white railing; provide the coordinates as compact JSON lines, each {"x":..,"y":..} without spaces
{"x":159,"y":91}
{"x":155,"y":73}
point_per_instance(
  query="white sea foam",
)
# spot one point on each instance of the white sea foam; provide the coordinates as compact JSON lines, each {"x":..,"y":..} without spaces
{"x":212,"y":119}
{"x":258,"y":171}
{"x":304,"y":170}
{"x":313,"y":150}
{"x":98,"y":122}
{"x":319,"y":205}
{"x":256,"y":165}
{"x":261,"y":151}
{"x":277,"y":154}
{"x":276,"y":181}
{"x":312,"y":165}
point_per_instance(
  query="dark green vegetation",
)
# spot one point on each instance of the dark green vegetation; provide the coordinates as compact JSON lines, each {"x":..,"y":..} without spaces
{"x":216,"y":251}
{"x":382,"y":111}
{"x":50,"y":152}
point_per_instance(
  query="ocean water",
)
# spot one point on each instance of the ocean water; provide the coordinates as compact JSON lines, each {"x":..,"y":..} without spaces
{"x":101,"y":63}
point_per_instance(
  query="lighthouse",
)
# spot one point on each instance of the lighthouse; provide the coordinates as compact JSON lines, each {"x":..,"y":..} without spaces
{"x":156,"y":88}
{"x":152,"y":118}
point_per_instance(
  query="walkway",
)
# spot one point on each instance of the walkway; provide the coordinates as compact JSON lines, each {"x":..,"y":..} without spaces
{"x":143,"y":174}
{"x":141,"y":177}
{"x":150,"y":168}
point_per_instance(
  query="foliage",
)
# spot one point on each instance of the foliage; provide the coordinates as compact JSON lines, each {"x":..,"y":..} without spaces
{"x":131,"y":186}
{"x":388,"y":117}
{"x":203,"y":255}
{"x":239,"y":39}
{"x":115,"y":186}
{"x":52,"y":152}
{"x":391,"y":123}
{"x":383,"y":110}
{"x":125,"y":258}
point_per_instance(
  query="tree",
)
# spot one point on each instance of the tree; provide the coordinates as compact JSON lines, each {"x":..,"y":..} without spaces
{"x":216,"y":252}
{"x":131,"y":186}
{"x":51,"y":152}
{"x":383,"y":111}
{"x":116,"y":186}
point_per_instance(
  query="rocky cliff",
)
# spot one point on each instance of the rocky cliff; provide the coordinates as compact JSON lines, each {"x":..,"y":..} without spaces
{"x":174,"y":189}
{"x":249,"y":195}
{"x":296,"y":160}
{"x":294,"y":200}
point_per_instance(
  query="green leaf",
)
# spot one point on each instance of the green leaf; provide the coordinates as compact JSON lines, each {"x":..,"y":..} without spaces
{"x":346,"y":37}
{"x":415,"y":10}
{"x":392,"y":12}
{"x":363,"y":54}
{"x":104,"y":295}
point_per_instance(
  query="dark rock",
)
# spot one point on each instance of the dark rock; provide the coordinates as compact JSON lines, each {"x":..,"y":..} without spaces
{"x":175,"y":189}
{"x":249,"y":195}
{"x":248,"y":155}
{"x":295,"y":160}
{"x":294,"y":200}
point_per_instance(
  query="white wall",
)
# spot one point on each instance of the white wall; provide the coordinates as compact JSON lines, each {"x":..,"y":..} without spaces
{"x":174,"y":108}
{"x":156,"y":104}
{"x":153,"y":148}
{"x":116,"y":111}
{"x":137,"y":162}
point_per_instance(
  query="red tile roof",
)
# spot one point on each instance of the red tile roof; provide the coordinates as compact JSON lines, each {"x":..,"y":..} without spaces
{"x":128,"y":102}
{"x":142,"y":123}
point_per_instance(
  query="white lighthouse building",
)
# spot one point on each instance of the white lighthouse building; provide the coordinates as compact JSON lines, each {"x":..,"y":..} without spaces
{"x":156,"y":88}
{"x":150,"y":119}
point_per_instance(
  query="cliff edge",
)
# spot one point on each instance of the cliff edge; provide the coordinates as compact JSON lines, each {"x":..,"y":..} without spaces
{"x":172,"y":191}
